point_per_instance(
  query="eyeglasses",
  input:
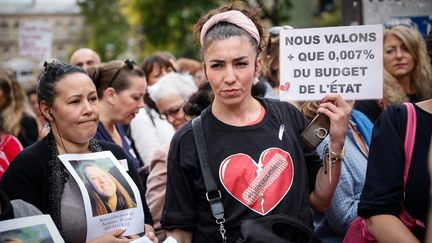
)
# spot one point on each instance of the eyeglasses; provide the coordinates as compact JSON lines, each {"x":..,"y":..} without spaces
{"x":127,"y":63}
{"x":171,"y":112}
{"x":399,"y":22}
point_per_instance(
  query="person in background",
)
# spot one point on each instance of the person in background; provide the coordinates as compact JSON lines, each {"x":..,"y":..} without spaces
{"x":18,"y":118}
{"x":199,"y":100}
{"x":147,"y":129}
{"x":192,"y":67}
{"x":428,"y":229}
{"x":170,"y":94}
{"x":10,"y":147}
{"x":429,"y":46}
{"x":383,"y":197}
{"x":241,"y":131}
{"x":332,"y":225}
{"x":84,"y":58}
{"x":69,"y":102}
{"x":270,"y":61}
{"x":407,"y":73}
{"x":168,"y":56}
{"x":156,"y":66}
{"x":120,"y":86}
{"x":42,"y":124}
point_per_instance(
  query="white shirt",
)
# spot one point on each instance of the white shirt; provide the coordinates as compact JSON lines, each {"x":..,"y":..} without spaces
{"x":149,"y":137}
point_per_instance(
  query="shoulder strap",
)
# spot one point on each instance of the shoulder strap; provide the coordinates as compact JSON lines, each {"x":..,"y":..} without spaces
{"x":410,"y":133}
{"x":148,"y":111}
{"x":213,"y":194}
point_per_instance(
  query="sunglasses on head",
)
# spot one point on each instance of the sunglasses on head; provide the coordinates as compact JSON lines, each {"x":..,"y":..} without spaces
{"x":274,"y":33}
{"x":127,"y":63}
{"x":275,"y":30}
{"x":399,"y":22}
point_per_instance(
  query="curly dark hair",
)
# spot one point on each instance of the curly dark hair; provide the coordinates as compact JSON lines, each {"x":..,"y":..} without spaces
{"x":224,"y":30}
{"x":199,"y":100}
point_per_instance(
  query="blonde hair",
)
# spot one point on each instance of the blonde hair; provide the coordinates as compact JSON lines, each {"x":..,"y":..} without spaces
{"x":421,"y":76}
{"x":16,"y":105}
{"x":97,"y":201}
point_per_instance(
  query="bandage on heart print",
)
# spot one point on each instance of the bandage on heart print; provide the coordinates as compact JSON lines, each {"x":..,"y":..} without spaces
{"x":259,"y":186}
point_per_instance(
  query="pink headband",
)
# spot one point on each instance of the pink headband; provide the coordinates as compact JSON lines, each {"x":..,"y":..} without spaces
{"x":234,"y":17}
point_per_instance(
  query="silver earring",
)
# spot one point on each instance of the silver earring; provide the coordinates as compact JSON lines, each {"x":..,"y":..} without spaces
{"x":255,"y":81}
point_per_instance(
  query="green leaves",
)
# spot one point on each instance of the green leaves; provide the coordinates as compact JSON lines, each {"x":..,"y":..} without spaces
{"x":107,"y":27}
{"x":157,"y":25}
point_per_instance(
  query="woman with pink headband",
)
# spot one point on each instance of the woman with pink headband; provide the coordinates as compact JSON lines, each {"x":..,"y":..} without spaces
{"x":258,"y":162}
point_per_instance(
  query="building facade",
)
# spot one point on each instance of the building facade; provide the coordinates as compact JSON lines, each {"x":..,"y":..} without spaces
{"x":67,"y":25}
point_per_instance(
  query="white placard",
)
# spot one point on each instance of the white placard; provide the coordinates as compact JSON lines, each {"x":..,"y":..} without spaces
{"x":38,"y":228}
{"x":318,"y":61}
{"x":111,"y":198}
{"x":35,"y":40}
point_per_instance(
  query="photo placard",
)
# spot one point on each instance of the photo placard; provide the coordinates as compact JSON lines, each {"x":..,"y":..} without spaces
{"x":33,"y":229}
{"x":111,"y":198}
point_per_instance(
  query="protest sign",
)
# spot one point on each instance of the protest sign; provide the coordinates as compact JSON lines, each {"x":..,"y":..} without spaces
{"x":35,"y":39}
{"x":38,"y":228}
{"x":111,"y":198}
{"x":319,"y":61}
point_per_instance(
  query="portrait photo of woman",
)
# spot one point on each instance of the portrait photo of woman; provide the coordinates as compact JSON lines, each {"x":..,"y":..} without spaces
{"x":107,"y":194}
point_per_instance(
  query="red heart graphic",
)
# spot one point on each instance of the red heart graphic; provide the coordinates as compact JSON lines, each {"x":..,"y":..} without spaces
{"x":259,"y":186}
{"x":285,"y":87}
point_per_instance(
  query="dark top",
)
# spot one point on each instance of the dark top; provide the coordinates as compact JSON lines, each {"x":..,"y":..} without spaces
{"x":372,"y":109}
{"x":6,"y":211}
{"x":261,"y":169}
{"x":37,"y":176}
{"x":383,"y":189}
{"x":29,"y":130}
{"x":103,"y":135}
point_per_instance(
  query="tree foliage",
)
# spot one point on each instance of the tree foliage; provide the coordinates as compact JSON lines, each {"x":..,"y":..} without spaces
{"x":159,"y":25}
{"x":107,"y":27}
{"x":166,"y":24}
{"x":274,"y":11}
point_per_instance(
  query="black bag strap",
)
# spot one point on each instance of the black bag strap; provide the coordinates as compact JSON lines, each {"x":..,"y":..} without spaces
{"x":213,"y":194}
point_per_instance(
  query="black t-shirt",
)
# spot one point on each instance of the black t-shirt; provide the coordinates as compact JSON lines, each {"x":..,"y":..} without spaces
{"x":383,"y":189}
{"x":260,"y":170}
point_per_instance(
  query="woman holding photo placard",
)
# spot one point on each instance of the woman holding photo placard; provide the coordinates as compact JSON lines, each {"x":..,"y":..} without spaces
{"x":68,"y":101}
